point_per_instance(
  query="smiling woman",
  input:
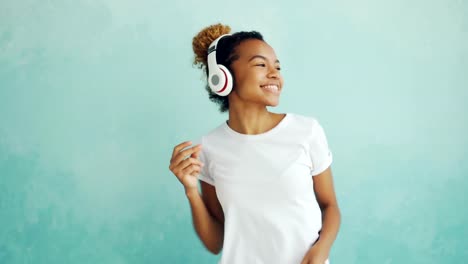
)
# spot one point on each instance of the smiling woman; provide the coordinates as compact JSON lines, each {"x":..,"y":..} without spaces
{"x":226,"y":54}
{"x":267,"y":189}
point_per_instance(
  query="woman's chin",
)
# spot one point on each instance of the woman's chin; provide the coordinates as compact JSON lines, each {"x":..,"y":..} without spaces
{"x":273,"y":104}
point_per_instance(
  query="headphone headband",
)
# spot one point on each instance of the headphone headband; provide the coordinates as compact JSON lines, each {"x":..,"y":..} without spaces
{"x":214,"y":44}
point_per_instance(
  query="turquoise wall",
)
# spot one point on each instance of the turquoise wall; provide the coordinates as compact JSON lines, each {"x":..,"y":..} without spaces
{"x":94,"y":94}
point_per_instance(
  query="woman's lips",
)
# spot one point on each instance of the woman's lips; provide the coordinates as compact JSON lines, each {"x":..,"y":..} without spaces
{"x":271,"y":88}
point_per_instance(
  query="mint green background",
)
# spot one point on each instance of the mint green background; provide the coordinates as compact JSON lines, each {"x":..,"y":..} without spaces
{"x":95,"y":94}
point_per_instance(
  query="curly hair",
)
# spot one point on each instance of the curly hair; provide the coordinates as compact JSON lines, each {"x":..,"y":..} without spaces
{"x":225,"y":53}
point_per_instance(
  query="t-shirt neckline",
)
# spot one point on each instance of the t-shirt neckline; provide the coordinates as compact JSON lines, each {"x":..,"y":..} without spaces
{"x":236,"y":134}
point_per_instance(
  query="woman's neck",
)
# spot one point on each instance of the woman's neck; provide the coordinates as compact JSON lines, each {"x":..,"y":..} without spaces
{"x":252,"y":121}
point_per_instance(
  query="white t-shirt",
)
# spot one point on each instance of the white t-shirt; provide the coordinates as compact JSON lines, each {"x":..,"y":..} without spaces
{"x":265,"y":187}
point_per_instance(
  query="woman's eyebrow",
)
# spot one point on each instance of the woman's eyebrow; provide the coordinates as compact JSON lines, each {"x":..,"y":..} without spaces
{"x":261,"y":57}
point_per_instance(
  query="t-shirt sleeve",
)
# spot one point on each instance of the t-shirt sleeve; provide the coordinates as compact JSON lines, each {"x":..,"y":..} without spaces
{"x":205,"y":174}
{"x":320,"y":155}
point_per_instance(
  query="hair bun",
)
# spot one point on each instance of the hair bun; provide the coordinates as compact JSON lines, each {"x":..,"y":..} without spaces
{"x":203,"y":39}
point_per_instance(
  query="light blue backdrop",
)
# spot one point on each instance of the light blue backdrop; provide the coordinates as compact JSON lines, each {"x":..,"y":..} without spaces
{"x":94,"y":95}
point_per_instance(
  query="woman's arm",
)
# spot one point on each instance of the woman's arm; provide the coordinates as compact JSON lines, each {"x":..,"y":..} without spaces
{"x":325,"y":193}
{"x":207,"y":215}
{"x":331,"y":217}
{"x":208,"y":219}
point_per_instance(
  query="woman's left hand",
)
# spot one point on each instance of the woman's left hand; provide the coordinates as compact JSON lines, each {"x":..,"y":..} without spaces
{"x":315,"y":255}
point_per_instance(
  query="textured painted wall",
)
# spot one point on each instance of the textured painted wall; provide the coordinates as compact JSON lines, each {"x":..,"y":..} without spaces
{"x":94,"y":95}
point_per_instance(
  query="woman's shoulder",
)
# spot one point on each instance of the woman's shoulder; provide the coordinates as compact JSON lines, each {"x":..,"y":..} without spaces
{"x":303,"y":120}
{"x":212,"y":135}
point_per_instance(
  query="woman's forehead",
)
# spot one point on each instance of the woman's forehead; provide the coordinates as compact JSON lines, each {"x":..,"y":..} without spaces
{"x":253,"y":47}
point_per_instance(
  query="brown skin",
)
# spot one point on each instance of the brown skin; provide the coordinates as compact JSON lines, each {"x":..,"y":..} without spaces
{"x":257,"y":66}
{"x":331,"y":218}
{"x":248,"y":100}
{"x":209,"y":229}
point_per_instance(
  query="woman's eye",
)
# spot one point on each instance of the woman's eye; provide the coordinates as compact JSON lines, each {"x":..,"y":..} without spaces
{"x":264,"y":65}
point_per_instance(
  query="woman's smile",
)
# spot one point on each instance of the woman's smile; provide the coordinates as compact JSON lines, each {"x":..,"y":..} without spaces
{"x":271,"y":88}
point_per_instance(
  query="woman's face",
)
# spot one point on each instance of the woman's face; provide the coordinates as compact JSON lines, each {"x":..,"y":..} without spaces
{"x":257,"y":77}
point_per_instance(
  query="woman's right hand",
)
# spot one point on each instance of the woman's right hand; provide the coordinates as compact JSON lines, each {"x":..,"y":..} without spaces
{"x":185,"y":164}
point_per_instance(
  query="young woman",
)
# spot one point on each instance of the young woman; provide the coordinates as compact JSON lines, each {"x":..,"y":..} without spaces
{"x":267,"y":192}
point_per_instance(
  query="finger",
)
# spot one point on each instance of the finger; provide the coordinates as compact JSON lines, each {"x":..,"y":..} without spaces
{"x":178,"y":169}
{"x":190,"y":161}
{"x":185,"y":153}
{"x":188,"y":173}
{"x":180,"y":146}
{"x":193,"y":170}
{"x":196,"y":154}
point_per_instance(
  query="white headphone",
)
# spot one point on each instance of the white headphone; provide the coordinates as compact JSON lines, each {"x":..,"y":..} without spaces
{"x":219,"y":77}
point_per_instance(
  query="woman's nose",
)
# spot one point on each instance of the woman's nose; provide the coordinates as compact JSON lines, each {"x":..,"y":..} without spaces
{"x":274,"y":73}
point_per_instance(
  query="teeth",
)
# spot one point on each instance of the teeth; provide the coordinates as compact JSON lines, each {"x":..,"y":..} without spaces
{"x":271,"y":87}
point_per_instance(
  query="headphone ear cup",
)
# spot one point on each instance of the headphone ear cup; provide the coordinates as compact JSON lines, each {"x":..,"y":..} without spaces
{"x":226,"y":87}
{"x":219,"y":77}
{"x":216,"y":78}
